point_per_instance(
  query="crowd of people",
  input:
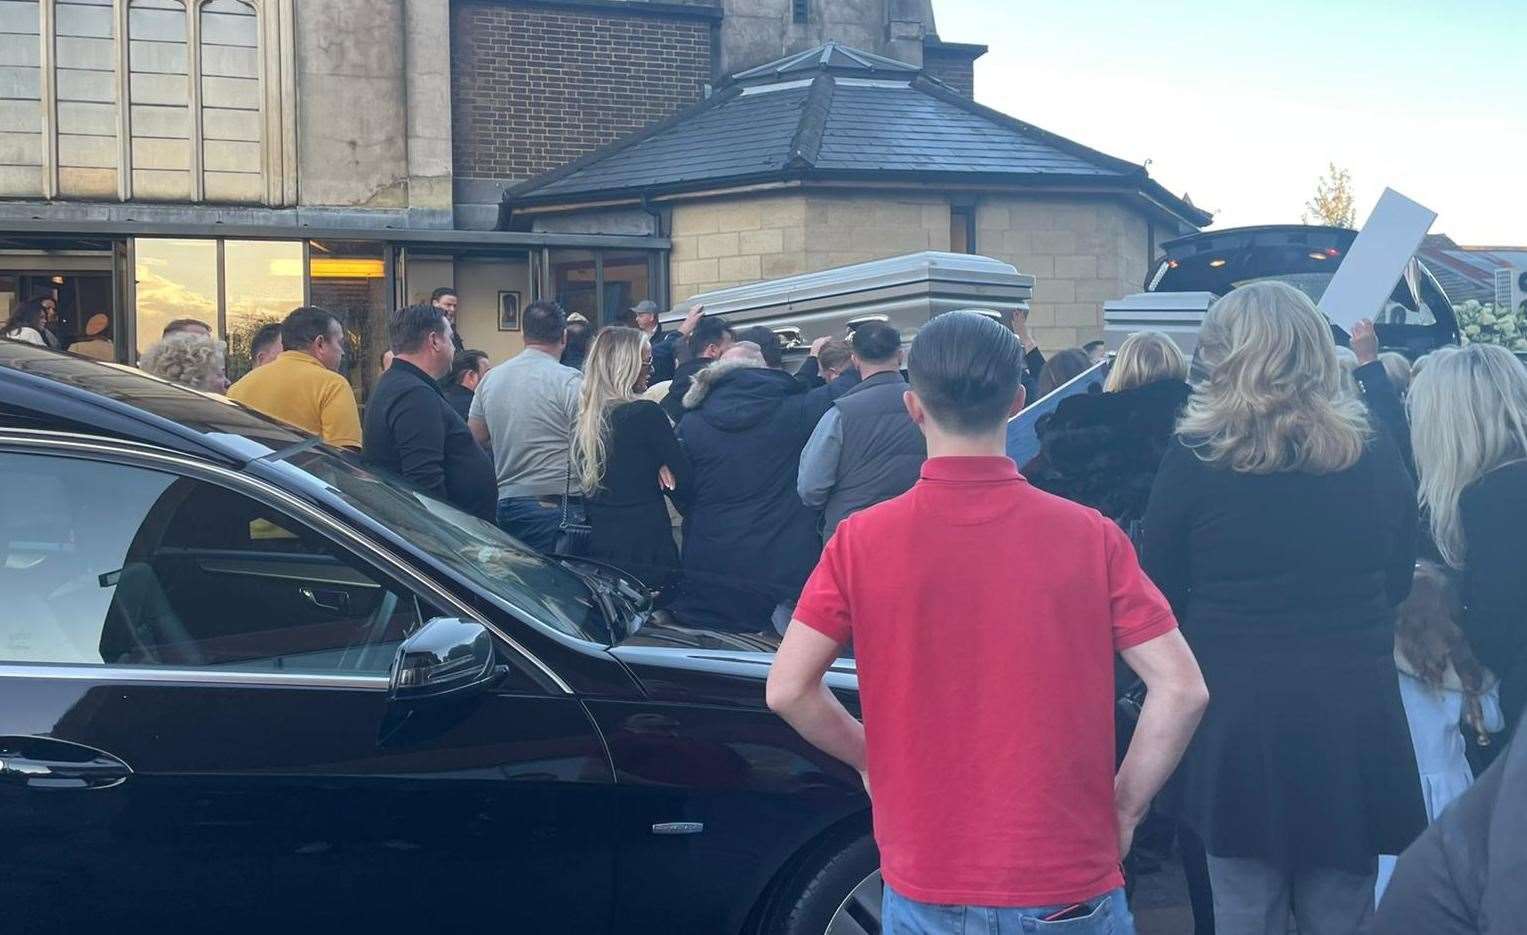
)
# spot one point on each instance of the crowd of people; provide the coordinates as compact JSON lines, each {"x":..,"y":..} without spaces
{"x":1307,"y":556}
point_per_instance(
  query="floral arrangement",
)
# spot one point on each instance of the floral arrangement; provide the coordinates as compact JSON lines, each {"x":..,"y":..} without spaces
{"x":1484,"y":323}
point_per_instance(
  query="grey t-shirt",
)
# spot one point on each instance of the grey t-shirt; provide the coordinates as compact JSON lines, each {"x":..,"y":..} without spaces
{"x":529,"y":404}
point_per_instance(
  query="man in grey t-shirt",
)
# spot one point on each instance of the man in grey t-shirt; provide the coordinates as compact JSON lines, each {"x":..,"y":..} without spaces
{"x":525,"y":410}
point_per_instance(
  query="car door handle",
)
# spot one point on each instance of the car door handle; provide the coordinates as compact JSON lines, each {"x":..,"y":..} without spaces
{"x":337,"y":602}
{"x":44,"y":763}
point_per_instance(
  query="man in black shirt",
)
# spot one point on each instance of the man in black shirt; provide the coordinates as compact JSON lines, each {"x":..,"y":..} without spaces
{"x":460,"y":385}
{"x":412,"y":431}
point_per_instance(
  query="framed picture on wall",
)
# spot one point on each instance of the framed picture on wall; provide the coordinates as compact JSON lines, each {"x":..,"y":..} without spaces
{"x":508,"y":311}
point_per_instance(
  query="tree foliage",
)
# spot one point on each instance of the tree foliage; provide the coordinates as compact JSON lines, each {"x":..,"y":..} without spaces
{"x":1332,"y":204}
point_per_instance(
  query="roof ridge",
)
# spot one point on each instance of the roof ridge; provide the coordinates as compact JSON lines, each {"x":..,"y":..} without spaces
{"x":806,"y":145}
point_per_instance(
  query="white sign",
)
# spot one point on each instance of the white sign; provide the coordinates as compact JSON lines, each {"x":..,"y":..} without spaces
{"x":1376,"y":260}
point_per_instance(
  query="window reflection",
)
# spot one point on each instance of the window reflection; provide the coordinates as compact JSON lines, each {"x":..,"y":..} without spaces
{"x":575,"y":282}
{"x":175,"y":279}
{"x":626,"y":282}
{"x":263,"y":281}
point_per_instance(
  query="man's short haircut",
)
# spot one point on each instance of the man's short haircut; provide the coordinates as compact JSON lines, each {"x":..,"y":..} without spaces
{"x":305,"y":325}
{"x":545,"y":322}
{"x":179,"y":325}
{"x":876,"y":342}
{"x":410,"y":327}
{"x":966,"y":370}
{"x":268,"y":334}
{"x":463,"y":363}
{"x":626,"y":318}
{"x":769,"y":344}
{"x":441,"y":293}
{"x":1088,"y":347}
{"x":834,"y":355}
{"x":710,"y":330}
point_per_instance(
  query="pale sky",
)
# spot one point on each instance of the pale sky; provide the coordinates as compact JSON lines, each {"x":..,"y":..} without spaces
{"x":1242,"y":104}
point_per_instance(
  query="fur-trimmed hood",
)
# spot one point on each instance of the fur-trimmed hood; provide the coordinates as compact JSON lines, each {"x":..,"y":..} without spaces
{"x":700,"y":384}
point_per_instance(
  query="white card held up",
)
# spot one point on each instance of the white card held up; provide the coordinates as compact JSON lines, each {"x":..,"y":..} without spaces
{"x":1376,"y":260}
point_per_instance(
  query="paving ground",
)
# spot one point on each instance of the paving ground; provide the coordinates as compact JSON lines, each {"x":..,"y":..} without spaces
{"x":1160,"y":902}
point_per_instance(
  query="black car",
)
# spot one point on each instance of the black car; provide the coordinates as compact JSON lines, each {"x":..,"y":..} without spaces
{"x":247,"y":682}
{"x":1416,"y":319}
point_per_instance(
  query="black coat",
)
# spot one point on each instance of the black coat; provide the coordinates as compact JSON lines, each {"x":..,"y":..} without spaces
{"x":1465,"y":875}
{"x":1103,"y":450}
{"x":1493,"y":511}
{"x":1285,"y":585}
{"x":683,"y":375}
{"x":628,"y":515}
{"x":411,"y":431}
{"x":749,"y":542}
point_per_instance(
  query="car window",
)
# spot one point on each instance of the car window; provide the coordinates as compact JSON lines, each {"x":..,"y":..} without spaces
{"x":108,"y":564}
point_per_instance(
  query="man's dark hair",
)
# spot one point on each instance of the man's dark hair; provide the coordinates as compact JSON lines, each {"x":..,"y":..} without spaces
{"x":875,"y":342}
{"x":626,"y":318}
{"x":1093,"y":344}
{"x":463,"y":363}
{"x":410,"y":327}
{"x":710,"y":330}
{"x":180,"y":324}
{"x":580,"y":334}
{"x":441,"y":293}
{"x":768,"y":342}
{"x":268,"y":334}
{"x":966,"y":369}
{"x":544,"y":323}
{"x":305,"y":325}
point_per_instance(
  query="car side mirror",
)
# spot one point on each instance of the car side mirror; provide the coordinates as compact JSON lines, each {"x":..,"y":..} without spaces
{"x":447,"y":656}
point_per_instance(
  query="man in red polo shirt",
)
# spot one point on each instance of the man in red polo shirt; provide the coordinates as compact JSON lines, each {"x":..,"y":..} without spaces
{"x":984,"y":616}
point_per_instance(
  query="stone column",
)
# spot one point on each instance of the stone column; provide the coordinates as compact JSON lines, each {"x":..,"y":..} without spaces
{"x":427,"y":82}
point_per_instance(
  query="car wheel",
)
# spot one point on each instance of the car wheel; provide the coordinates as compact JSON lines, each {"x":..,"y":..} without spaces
{"x":837,"y":894}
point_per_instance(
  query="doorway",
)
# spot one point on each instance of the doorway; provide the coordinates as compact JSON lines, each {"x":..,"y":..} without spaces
{"x":77,"y":276}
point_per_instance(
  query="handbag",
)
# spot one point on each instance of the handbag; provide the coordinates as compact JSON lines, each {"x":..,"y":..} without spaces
{"x":574,"y":534}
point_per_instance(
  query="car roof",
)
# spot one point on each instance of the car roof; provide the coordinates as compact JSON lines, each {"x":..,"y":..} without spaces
{"x":48,"y":389}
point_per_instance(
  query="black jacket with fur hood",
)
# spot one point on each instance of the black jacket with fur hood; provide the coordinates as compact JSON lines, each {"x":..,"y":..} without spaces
{"x":1103,"y":450}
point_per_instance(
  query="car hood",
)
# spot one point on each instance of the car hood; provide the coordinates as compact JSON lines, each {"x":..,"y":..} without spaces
{"x":703,"y":666}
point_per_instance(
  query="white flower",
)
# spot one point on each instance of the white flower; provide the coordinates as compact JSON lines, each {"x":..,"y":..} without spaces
{"x":1471,"y":330}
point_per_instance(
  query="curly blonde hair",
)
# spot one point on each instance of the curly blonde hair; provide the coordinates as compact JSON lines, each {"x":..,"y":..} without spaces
{"x":188,"y":358}
{"x":1275,"y":399}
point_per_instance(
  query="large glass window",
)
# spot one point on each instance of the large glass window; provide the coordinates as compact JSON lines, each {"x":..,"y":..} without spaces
{"x":175,"y":279}
{"x":262,"y":282}
{"x":349,"y":278}
{"x":104,"y":563}
{"x":575,"y":282}
{"x":627,"y":281}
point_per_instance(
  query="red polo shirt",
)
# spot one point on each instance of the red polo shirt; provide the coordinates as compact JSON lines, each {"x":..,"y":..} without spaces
{"x":985,"y":616}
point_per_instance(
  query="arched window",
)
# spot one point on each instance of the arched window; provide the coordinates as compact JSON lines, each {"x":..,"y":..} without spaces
{"x":154,"y":100}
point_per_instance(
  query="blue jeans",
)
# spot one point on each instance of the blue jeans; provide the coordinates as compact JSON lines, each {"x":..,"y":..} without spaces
{"x":531,"y":521}
{"x":1109,"y":915}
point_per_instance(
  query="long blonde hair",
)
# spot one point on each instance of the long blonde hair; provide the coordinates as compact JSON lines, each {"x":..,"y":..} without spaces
{"x":1275,"y":399}
{"x":1468,"y":416}
{"x":610,"y":374}
{"x":1146,"y":357}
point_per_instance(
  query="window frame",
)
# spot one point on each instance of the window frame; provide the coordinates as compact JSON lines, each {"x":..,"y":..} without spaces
{"x":392,"y":572}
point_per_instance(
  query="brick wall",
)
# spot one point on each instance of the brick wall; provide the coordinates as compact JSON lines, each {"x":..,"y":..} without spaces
{"x":534,"y":87}
{"x":954,"y":69}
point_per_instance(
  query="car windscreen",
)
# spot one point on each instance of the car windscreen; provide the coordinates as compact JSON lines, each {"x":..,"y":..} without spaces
{"x":507,"y":571}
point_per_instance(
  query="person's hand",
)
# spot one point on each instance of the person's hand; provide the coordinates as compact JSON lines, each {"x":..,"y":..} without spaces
{"x":691,"y":319}
{"x":1021,"y":328}
{"x":817,"y":345}
{"x":665,"y":478}
{"x":1127,"y":825}
{"x":1365,"y":341}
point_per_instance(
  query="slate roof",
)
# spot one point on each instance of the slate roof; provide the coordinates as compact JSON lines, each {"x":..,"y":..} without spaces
{"x":837,"y":113}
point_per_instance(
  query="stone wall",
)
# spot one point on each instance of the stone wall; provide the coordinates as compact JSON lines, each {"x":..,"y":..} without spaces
{"x":1081,"y":251}
{"x":729,"y":242}
{"x":534,"y":86}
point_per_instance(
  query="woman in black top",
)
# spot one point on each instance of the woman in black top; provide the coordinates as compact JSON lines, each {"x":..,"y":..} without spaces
{"x":624,"y":455}
{"x":1281,"y":527}
{"x":1469,"y":415}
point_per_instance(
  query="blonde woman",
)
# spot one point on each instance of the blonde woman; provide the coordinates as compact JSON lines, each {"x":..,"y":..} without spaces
{"x":1468,"y":412}
{"x":624,"y":455}
{"x":1281,"y":527}
{"x":1102,"y":450}
{"x":189,"y":358}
